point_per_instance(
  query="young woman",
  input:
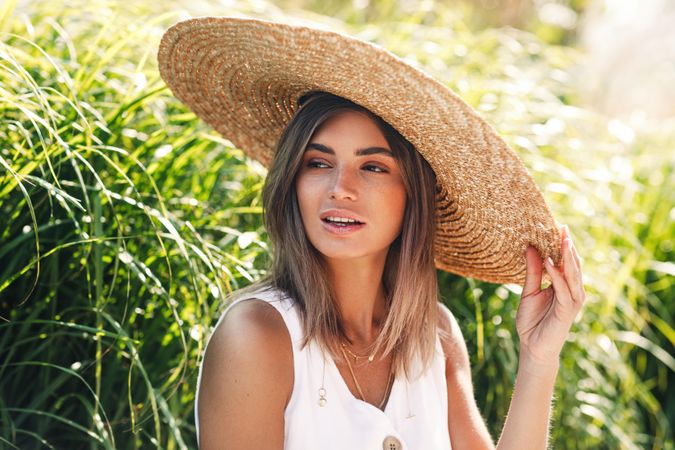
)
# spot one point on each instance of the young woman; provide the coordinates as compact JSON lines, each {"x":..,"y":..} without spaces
{"x":345,"y":344}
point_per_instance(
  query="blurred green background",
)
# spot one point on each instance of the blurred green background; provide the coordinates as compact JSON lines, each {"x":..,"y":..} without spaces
{"x":124,"y":221}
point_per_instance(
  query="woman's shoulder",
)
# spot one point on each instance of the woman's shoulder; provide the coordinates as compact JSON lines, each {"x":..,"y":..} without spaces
{"x":446,"y":321}
{"x":252,"y":334}
{"x":257,"y":319}
{"x":452,"y":340}
{"x":253,"y":329}
{"x":247,"y":368}
{"x":252,"y":318}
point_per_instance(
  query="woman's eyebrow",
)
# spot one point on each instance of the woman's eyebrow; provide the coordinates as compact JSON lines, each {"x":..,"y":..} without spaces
{"x":359,"y":152}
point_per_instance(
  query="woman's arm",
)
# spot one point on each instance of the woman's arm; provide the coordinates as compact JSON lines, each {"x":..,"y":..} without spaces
{"x":543,"y":322}
{"x":465,"y":424}
{"x":527,"y":423}
{"x":247,"y":380}
{"x":531,"y":399}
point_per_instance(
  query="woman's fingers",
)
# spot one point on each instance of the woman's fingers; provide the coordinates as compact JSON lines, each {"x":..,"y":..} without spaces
{"x":565,"y":277}
{"x":567,"y":280}
{"x":573,"y":272}
{"x":572,"y":267}
{"x":533,"y":271}
{"x":560,"y":285}
{"x":577,"y":262}
{"x":577,"y":258}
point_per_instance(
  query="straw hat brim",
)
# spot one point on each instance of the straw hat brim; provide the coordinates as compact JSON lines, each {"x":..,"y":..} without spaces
{"x":243,"y":77}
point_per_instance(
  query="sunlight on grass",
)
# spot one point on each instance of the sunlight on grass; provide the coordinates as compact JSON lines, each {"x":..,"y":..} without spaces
{"x":126,"y":222}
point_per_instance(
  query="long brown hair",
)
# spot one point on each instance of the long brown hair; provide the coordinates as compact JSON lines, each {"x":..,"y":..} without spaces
{"x":409,"y":278}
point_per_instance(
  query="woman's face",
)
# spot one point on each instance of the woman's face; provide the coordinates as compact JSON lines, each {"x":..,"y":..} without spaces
{"x":349,"y":171}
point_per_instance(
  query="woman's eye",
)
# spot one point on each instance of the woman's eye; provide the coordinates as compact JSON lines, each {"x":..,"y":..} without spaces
{"x":317,"y":164}
{"x":323,"y":165}
{"x":374,"y":168}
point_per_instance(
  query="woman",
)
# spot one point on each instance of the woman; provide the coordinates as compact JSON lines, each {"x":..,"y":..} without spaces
{"x":344,"y":344}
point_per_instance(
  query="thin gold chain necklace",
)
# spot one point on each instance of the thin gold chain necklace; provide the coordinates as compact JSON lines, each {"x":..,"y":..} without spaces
{"x":356,"y":357}
{"x":358,"y":387}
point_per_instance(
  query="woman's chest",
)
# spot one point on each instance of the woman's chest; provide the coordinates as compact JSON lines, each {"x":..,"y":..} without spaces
{"x":324,"y":413}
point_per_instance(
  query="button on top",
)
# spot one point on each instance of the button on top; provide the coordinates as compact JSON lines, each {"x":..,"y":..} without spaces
{"x":391,"y":443}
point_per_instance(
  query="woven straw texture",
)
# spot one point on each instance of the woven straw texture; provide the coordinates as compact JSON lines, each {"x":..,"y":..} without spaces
{"x":243,"y":77}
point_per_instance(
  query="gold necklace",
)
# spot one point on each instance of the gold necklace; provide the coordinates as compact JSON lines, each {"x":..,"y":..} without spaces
{"x":356,"y":357}
{"x":358,"y":387}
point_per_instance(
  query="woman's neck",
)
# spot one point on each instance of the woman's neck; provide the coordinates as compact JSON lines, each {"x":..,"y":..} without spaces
{"x":359,"y":292}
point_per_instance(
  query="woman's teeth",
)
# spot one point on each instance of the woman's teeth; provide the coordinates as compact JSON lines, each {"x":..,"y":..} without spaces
{"x":341,"y":220}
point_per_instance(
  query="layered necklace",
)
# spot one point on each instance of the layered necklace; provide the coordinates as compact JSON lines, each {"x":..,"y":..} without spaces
{"x":370,"y":357}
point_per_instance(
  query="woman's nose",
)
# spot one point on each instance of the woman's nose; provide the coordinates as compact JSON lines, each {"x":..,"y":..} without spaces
{"x":344,"y":185}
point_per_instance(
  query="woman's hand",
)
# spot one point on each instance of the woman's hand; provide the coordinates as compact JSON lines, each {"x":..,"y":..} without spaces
{"x":545,"y":316}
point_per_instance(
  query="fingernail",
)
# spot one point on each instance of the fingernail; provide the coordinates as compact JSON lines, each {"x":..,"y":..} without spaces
{"x":549,"y":261}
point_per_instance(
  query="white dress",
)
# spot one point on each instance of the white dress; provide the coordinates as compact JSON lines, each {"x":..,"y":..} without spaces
{"x":415,"y":416}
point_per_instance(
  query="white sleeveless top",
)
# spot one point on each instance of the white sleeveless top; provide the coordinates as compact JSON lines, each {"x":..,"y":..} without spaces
{"x":415,"y":416}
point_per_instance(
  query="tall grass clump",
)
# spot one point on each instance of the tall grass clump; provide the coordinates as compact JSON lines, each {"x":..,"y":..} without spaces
{"x":124,"y":222}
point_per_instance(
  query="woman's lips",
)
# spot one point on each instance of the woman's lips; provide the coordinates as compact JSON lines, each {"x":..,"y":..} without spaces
{"x":342,"y":228}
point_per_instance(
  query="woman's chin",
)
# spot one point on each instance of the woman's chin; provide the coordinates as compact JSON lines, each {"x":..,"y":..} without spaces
{"x":356,"y":254}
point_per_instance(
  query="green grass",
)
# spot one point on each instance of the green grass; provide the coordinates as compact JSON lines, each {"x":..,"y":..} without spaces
{"x":125,"y":221}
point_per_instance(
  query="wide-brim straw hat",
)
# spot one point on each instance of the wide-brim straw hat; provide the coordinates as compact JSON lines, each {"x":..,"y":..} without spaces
{"x":244,"y":76}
